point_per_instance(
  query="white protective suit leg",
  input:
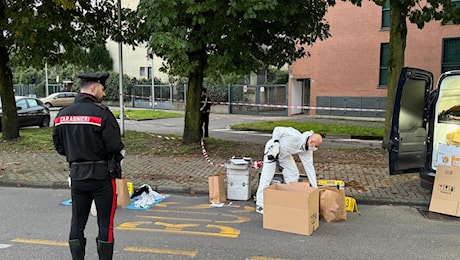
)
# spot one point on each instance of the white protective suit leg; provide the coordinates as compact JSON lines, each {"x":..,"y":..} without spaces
{"x":290,"y":171}
{"x":266,"y":175}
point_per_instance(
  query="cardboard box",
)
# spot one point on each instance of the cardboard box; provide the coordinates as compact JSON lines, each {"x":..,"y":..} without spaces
{"x":291,"y":208}
{"x":445,"y":198}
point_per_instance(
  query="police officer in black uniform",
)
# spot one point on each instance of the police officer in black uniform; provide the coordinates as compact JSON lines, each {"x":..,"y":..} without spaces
{"x":205,"y":110}
{"x":87,"y":133}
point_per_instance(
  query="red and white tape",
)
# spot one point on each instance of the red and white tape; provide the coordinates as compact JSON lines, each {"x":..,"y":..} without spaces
{"x":269,"y":105}
{"x":254,"y":164}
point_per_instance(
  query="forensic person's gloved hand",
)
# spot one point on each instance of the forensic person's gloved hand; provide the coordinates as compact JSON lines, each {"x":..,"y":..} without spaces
{"x":274,"y":151}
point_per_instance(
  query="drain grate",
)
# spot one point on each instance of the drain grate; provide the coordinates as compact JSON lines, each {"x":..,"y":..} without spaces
{"x":436,"y":216}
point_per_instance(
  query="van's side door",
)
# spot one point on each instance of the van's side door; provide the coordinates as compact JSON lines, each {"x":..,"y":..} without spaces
{"x":409,"y":126}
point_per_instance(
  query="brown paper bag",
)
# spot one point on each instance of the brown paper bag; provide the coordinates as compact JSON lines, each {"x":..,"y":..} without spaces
{"x":217,"y":192}
{"x":123,"y":198}
{"x":332,"y":204}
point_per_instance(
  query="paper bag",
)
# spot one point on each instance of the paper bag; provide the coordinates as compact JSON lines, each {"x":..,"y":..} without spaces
{"x":217,"y":192}
{"x":332,"y":204}
{"x":123,"y":198}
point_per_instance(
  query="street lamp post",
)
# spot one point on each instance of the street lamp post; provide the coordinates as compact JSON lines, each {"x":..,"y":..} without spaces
{"x":120,"y":56}
{"x":153,"y":82}
{"x":46,"y":79}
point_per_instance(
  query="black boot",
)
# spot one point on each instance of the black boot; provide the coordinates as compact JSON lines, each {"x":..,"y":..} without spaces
{"x":77,"y":248}
{"x":104,"y":249}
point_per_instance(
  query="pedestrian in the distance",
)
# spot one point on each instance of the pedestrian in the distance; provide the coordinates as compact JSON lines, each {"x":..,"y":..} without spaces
{"x":87,"y":134}
{"x":205,"y":110}
{"x":285,"y":142}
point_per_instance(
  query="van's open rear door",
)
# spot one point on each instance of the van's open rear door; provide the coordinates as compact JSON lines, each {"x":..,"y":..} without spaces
{"x":407,"y":143}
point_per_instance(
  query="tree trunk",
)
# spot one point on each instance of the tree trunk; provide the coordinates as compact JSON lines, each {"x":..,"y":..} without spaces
{"x":398,"y":35}
{"x":10,"y":126}
{"x":192,"y":106}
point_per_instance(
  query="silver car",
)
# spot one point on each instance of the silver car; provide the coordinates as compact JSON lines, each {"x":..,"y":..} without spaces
{"x":59,"y":99}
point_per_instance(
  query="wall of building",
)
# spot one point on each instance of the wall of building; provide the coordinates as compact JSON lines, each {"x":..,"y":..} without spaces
{"x":133,"y":60}
{"x":347,"y":64}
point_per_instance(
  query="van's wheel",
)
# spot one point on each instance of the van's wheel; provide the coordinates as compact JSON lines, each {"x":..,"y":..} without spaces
{"x":426,"y":185}
{"x":45,"y":122}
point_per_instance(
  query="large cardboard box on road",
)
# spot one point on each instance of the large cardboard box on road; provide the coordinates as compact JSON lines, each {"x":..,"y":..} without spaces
{"x":446,"y":191}
{"x":291,"y":208}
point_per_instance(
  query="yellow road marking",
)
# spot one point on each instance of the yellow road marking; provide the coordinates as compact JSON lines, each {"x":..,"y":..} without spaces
{"x":160,"y":251}
{"x":130,"y":249}
{"x":266,"y":258}
{"x":208,"y":206}
{"x":174,"y":227}
{"x":228,"y":232}
{"x":238,"y":219}
{"x":165,"y":204}
{"x":40,"y":242}
{"x":191,"y":212}
{"x":185,"y":219}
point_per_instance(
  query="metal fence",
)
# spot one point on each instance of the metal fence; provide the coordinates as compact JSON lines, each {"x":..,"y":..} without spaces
{"x":258,"y":99}
{"x":141,"y":96}
{"x":31,"y":90}
{"x":352,"y":106}
{"x":24,"y":90}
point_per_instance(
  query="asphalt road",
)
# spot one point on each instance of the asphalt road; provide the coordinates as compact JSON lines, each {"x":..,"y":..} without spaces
{"x":33,"y":225}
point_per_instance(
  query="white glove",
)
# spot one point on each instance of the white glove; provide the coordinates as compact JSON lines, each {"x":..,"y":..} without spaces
{"x":275,"y":149}
{"x":122,"y":152}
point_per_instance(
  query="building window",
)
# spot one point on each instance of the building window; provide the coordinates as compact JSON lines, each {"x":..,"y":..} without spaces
{"x":456,"y":3}
{"x":386,"y":14}
{"x":149,"y":71}
{"x":384,"y":53}
{"x":142,"y":72}
{"x":450,"y":54}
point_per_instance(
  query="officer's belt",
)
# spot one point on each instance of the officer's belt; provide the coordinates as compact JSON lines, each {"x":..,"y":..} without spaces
{"x":89,"y":162}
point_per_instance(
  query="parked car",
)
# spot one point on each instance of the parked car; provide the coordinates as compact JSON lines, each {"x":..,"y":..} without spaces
{"x":59,"y":99}
{"x":31,"y":112}
{"x":423,"y":118}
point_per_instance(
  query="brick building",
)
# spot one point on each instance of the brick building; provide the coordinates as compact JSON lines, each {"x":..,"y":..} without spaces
{"x":348,"y":70}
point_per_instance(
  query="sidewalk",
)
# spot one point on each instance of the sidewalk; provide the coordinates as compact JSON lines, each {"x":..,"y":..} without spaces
{"x":181,"y":175}
{"x":185,"y":175}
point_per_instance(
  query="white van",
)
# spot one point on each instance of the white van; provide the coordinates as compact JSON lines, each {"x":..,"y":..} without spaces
{"x":423,"y":118}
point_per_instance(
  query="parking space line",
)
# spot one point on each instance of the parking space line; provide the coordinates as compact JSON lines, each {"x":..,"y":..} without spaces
{"x":161,"y":251}
{"x":237,"y":219}
{"x":129,"y":249}
{"x":266,"y":258}
{"x":224,"y":231}
{"x":40,"y":242}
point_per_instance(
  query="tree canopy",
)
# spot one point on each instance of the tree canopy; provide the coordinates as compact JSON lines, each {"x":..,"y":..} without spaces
{"x":35,"y":32}
{"x":232,"y":36}
{"x":416,"y":12}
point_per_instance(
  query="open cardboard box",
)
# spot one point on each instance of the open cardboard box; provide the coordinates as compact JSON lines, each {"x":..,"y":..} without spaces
{"x":291,"y":208}
{"x":445,"y":198}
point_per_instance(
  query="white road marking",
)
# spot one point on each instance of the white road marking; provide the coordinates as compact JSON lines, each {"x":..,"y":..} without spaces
{"x":3,"y":246}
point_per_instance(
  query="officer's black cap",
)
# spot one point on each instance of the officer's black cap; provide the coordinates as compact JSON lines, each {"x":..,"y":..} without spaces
{"x":99,"y":77}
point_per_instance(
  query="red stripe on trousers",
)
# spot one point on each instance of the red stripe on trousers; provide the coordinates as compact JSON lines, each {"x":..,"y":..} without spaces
{"x":112,"y":213}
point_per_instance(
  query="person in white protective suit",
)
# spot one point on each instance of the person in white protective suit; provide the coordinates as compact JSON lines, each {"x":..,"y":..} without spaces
{"x":285,"y":142}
